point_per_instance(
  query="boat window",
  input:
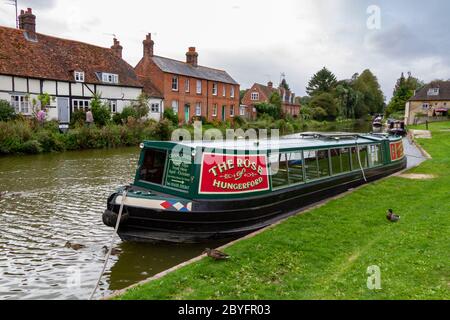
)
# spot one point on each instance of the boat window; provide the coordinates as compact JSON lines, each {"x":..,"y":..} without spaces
{"x":279,"y":167}
{"x":295,"y":164}
{"x":375,"y":155}
{"x":152,"y":169}
{"x":363,"y":156}
{"x":311,"y":165}
{"x":340,"y":160}
{"x":324,"y":163}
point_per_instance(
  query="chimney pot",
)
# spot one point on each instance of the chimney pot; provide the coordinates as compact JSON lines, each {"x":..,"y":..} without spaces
{"x":192,"y":57}
{"x":148,"y":46}
{"x":117,"y":48}
{"x":27,"y":21}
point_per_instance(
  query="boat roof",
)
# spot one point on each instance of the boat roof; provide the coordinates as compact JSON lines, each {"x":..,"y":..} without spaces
{"x":306,"y":140}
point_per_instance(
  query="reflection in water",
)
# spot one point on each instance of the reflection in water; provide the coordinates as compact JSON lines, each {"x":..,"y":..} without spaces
{"x":52,"y":199}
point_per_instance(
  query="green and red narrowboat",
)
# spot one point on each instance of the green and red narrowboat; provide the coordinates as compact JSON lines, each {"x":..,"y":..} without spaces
{"x":201,"y":191}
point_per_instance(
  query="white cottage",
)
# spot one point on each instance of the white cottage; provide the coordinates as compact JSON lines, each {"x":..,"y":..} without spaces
{"x":71,"y":72}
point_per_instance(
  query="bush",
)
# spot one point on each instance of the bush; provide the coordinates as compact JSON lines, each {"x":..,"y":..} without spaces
{"x":170,"y":115}
{"x":100,"y":112}
{"x":268,"y":109}
{"x":319,"y":114}
{"x":6,"y":111}
{"x":31,"y":147}
{"x":78,"y":119}
{"x":127,"y":112}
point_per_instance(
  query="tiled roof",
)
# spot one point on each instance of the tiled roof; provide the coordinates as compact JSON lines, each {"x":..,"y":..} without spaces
{"x":266,"y":90}
{"x":55,"y":59}
{"x":149,"y":88}
{"x":184,"y":69}
{"x":444,"y":92}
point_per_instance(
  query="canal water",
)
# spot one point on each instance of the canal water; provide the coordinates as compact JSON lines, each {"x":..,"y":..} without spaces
{"x":54,"y":198}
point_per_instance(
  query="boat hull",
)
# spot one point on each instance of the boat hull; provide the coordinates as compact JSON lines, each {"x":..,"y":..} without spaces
{"x":211,"y":220}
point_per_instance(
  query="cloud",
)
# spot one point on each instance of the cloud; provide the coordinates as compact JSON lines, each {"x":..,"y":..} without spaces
{"x":37,"y":4}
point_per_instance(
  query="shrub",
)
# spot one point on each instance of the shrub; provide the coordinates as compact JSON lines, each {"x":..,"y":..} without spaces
{"x":31,"y":147}
{"x":170,"y":115}
{"x":101,"y":112}
{"x":78,"y":119}
{"x":6,"y":111}
{"x":319,"y":114}
{"x":268,"y":109}
{"x":122,"y":117}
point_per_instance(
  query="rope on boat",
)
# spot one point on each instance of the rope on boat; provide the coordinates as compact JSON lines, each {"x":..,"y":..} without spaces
{"x":360,"y":162}
{"x":113,"y":239}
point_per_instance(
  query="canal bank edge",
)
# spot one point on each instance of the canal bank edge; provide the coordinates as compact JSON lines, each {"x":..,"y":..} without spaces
{"x":310,"y":208}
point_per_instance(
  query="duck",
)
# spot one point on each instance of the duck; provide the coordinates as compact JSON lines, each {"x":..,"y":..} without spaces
{"x":391,"y":216}
{"x":114,"y":251}
{"x":216,"y":254}
{"x":74,"y":246}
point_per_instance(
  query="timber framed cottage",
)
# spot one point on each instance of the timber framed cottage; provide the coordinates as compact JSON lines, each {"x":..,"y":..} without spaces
{"x":191,"y":90}
{"x":71,"y":72}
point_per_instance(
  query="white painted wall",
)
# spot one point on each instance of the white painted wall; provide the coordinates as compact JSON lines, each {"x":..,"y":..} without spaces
{"x":5,"y":83}
{"x":156,"y":116}
{"x":49,"y":87}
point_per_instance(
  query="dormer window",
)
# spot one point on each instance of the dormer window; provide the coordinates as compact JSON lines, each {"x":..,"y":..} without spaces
{"x":110,"y":78}
{"x":79,"y":76}
{"x":433,"y":92}
{"x":255,"y":96}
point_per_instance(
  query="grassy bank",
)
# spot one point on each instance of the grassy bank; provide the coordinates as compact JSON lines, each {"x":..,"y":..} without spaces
{"x":325,"y":253}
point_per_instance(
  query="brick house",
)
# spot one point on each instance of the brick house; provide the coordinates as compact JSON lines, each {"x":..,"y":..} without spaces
{"x":189,"y":89}
{"x":433,"y":100}
{"x":71,"y":72}
{"x":259,"y":93}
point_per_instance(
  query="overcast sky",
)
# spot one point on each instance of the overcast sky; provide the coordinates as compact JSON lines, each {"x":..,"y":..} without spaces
{"x":257,"y":40}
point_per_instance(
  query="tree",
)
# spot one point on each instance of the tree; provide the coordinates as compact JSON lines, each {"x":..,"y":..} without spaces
{"x":6,"y":111}
{"x":326,"y":102}
{"x":284,"y":85}
{"x":100,"y":112}
{"x":348,"y":99}
{"x":403,"y":91}
{"x":372,"y":97}
{"x":141,"y":106}
{"x":323,"y":81}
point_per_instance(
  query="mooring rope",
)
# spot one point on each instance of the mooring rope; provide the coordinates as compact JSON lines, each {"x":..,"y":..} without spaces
{"x":360,"y":163}
{"x":113,"y":239}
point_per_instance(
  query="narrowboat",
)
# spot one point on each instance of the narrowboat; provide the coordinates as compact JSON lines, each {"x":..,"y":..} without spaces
{"x":397,"y":128}
{"x":377,"y":122}
{"x":191,"y":192}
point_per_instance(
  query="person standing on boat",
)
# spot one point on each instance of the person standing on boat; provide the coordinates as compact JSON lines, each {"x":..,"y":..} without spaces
{"x":89,"y":118}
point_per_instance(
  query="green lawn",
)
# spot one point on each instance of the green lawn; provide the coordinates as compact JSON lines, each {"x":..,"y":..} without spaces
{"x":325,"y":253}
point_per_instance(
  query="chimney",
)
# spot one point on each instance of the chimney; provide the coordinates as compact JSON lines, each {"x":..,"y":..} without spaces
{"x":117,"y":48}
{"x":270,"y":84}
{"x":148,"y":46}
{"x":27,"y":21}
{"x":192,"y":57}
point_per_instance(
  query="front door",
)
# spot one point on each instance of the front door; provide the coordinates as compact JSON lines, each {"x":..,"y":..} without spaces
{"x":63,"y":110}
{"x":187,"y":113}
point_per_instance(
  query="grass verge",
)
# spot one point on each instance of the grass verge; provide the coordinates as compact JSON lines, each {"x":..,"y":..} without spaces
{"x":325,"y":253}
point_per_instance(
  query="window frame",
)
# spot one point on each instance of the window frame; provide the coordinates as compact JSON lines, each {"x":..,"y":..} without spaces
{"x":187,"y":85}
{"x":199,"y":87}
{"x":215,"y":109}
{"x":215,"y":88}
{"x":175,"y":83}
{"x":18,"y":105}
{"x":232,"y":92}
{"x":112,"y":106}
{"x":110,"y":78}
{"x":84,"y":108}
{"x":198,"y":107}
{"x":79,"y":76}
{"x":254,"y":96}
{"x":158,"y":106}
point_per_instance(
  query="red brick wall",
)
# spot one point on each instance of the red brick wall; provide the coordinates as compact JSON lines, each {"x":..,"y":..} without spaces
{"x":206,"y":98}
{"x":247,"y":100}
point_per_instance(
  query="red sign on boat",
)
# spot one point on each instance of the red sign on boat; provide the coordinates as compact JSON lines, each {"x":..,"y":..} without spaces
{"x":233,"y":174}
{"x":397,"y":151}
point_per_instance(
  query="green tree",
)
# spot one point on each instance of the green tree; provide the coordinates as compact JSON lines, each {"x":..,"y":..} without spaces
{"x":141,"y":106}
{"x":326,"y":102}
{"x":348,"y":99}
{"x":285,"y":85}
{"x":403,"y":91}
{"x":323,"y":81}
{"x":6,"y":111}
{"x":100,"y":111}
{"x":372,"y":97}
